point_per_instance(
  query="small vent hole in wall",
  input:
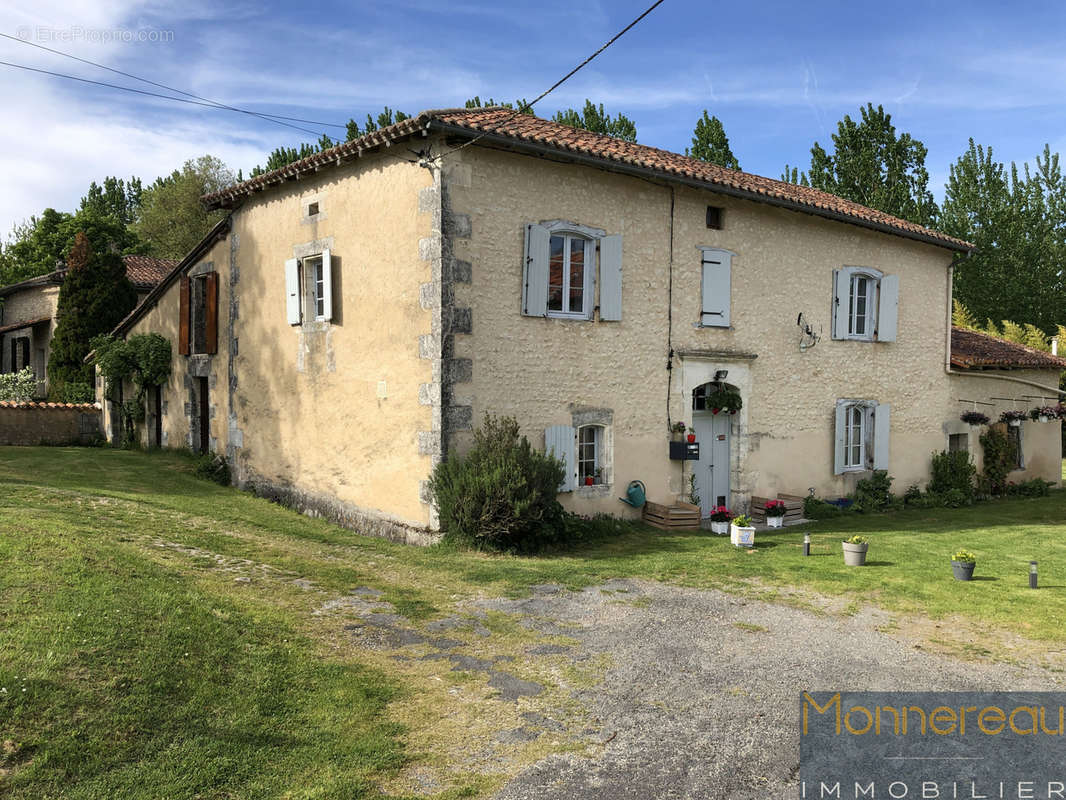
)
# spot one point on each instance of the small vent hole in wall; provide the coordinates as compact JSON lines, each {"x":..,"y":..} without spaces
{"x":312,"y":209}
{"x":714,"y":217}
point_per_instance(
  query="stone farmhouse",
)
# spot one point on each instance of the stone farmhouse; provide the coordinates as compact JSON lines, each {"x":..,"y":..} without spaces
{"x":359,"y":311}
{"x":28,"y":314}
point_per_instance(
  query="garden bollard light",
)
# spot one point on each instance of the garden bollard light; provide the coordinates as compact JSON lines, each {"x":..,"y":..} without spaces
{"x":1032,"y":574}
{"x":806,"y":544}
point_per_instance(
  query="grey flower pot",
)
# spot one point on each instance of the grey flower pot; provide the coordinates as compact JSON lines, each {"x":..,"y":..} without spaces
{"x":855,"y":554}
{"x":963,"y":570}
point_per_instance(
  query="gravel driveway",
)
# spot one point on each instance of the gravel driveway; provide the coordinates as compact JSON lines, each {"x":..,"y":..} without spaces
{"x":703,"y":698}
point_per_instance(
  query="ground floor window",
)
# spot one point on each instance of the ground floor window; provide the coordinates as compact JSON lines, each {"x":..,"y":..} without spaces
{"x":862,"y":435}
{"x":590,"y":466}
{"x":1014,"y":436}
{"x":958,"y":442}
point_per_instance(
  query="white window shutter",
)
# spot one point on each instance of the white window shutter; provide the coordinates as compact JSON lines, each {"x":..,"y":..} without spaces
{"x":841,"y":302}
{"x":327,"y":286}
{"x":882,"y":423}
{"x":611,"y":278}
{"x":717,"y":285}
{"x":888,"y":308}
{"x":838,"y":437}
{"x":535,"y":271}
{"x":559,"y":441}
{"x":292,"y":291}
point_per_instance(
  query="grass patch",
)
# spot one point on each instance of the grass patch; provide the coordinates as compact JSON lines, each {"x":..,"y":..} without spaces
{"x":170,"y":636}
{"x":750,"y":627}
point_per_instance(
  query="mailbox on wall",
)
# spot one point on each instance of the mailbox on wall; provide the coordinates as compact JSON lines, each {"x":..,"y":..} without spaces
{"x":684,"y":451}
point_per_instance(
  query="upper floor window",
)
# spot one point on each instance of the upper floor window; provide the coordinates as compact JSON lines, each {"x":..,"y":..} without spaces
{"x":862,"y":435}
{"x":865,"y":304}
{"x":198,"y":314}
{"x":309,"y":288}
{"x":560,"y":272}
{"x":716,"y":287}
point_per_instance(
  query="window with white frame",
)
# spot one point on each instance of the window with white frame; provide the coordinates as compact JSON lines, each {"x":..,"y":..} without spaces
{"x":309,"y":288}
{"x":862,"y":435}
{"x":865,"y":304}
{"x":590,"y":455}
{"x":562,"y":276}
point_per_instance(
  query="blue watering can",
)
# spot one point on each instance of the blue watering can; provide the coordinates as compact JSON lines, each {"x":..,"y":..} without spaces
{"x":636,"y":494}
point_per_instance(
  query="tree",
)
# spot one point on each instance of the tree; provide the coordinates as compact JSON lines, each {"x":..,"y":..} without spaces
{"x":1017,"y":219}
{"x":172,"y":219}
{"x":709,"y":143}
{"x":40,"y":245}
{"x":873,"y":166}
{"x":597,"y":120}
{"x":522,"y":105}
{"x":96,"y":295}
{"x":117,"y":198}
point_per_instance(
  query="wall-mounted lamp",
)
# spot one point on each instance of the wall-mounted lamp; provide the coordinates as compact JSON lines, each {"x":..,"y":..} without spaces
{"x":721,"y":375}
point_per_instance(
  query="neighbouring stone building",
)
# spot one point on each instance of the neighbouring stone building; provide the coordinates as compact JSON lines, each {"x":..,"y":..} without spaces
{"x":359,"y":311}
{"x":28,"y":314}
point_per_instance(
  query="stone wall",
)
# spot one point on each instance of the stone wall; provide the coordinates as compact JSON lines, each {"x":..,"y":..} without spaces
{"x":49,"y":423}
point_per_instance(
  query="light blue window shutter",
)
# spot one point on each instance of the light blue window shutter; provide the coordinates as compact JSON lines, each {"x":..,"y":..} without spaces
{"x":292,"y":291}
{"x":611,"y":278}
{"x":559,"y":441}
{"x":888,"y":309}
{"x":841,"y":302}
{"x":717,"y":285}
{"x":838,"y":437}
{"x":327,"y":286}
{"x":882,"y":422}
{"x":535,"y":271}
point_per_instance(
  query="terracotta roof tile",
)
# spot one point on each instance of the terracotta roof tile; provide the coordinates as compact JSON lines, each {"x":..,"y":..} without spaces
{"x":505,"y":124}
{"x":37,"y":404}
{"x":146,"y":271}
{"x":973,"y":349}
{"x":26,"y":323}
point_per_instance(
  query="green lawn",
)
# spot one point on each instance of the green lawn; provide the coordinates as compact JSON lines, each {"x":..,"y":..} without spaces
{"x":155,"y":641}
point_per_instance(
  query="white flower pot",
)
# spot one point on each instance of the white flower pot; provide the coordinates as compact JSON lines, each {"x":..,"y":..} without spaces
{"x":775,"y":522}
{"x":1044,"y":419}
{"x":742,"y":537}
{"x":1015,"y":423}
{"x":721,"y":528}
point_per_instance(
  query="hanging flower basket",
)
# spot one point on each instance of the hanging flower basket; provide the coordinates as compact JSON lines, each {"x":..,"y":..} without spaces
{"x":974,"y":418}
{"x":725,"y":399}
{"x":1045,"y":414}
{"x":1013,"y":418}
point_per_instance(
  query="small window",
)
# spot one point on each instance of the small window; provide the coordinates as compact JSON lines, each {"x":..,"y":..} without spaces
{"x":309,"y":288}
{"x":958,"y":443}
{"x":590,"y":460}
{"x":714,"y":217}
{"x":312,"y":209}
{"x":865,"y":304}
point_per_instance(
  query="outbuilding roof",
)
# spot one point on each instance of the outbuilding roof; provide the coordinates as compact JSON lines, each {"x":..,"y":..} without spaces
{"x":505,"y":127}
{"x":974,"y":350}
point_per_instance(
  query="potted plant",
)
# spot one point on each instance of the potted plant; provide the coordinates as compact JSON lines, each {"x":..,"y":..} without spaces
{"x":1044,"y":414}
{"x":775,"y":513}
{"x":855,"y":551}
{"x":962,"y":564}
{"x":720,"y":516}
{"x":974,"y":418}
{"x":1013,"y":418}
{"x":691,"y":438}
{"x":742,"y":532}
{"x":1060,"y":411}
{"x":724,"y":398}
{"x":677,"y":430}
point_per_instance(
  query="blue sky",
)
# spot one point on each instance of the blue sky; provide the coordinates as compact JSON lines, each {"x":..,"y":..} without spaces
{"x":779,"y":75}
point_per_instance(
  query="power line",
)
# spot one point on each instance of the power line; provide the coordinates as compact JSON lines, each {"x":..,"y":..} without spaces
{"x":156,"y":94}
{"x":525,"y":106}
{"x":260,"y":114}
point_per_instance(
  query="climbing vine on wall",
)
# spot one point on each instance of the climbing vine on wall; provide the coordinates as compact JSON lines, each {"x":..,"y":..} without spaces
{"x":143,"y":360}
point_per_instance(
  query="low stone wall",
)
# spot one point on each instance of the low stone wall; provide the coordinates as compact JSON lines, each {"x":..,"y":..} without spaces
{"x":49,"y":423}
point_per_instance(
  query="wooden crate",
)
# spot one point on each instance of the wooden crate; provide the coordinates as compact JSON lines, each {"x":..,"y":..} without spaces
{"x":793,"y":507}
{"x":679,"y":516}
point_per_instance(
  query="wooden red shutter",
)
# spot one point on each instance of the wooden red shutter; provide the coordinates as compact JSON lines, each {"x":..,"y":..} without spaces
{"x":211,"y":307}
{"x":183,"y":317}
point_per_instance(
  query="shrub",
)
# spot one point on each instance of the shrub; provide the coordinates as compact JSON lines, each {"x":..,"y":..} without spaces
{"x":1036,"y":487}
{"x":927,"y":500}
{"x":578,"y":529}
{"x":18,"y":386}
{"x":955,"y":498}
{"x":213,"y":467}
{"x":817,"y":508}
{"x":1000,"y":458}
{"x":874,"y":493}
{"x":912,"y":495}
{"x":76,"y":392}
{"x":502,"y":494}
{"x":953,"y":472}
